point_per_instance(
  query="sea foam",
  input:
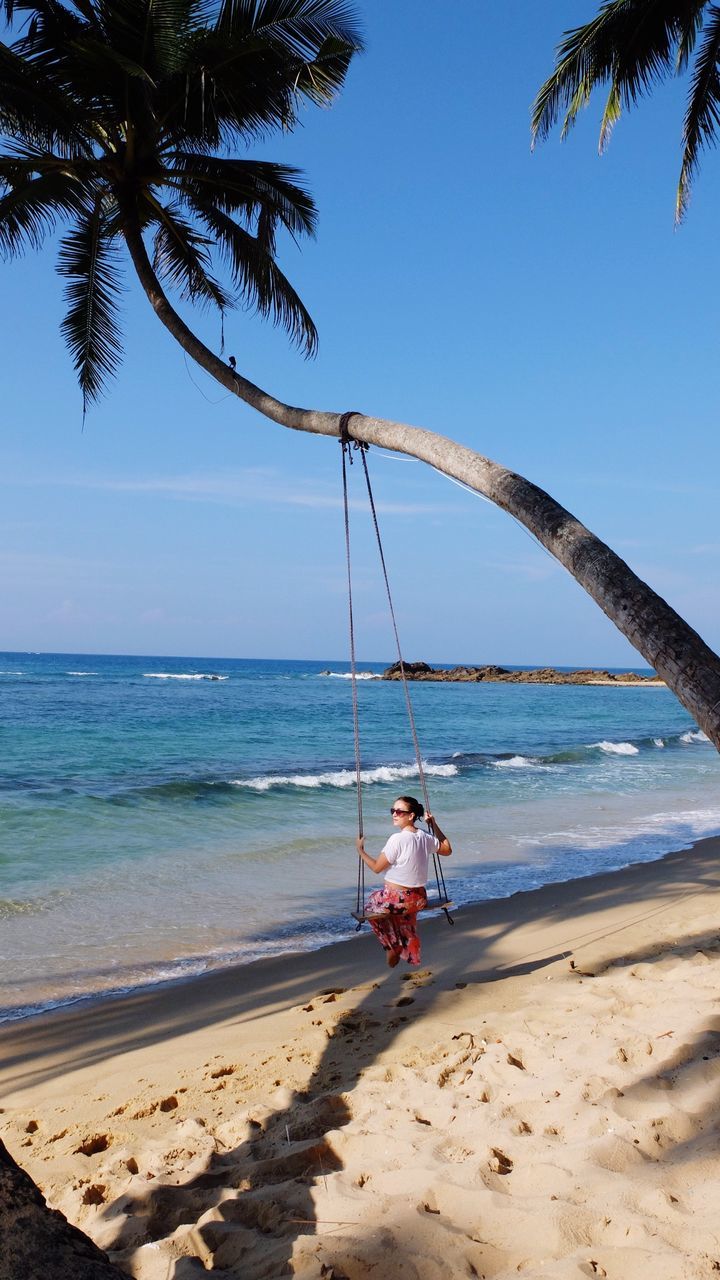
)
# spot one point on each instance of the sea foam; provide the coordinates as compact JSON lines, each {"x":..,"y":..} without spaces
{"x":345,"y":777}
{"x":515,"y":762}
{"x":347,"y":675}
{"x":617,"y":748}
{"x":694,"y":735}
{"x":172,"y":675}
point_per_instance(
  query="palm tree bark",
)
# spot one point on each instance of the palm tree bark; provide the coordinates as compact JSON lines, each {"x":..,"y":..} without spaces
{"x":38,"y":1243}
{"x":672,"y":648}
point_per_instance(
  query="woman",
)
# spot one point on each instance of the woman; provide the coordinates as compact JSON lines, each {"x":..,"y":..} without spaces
{"x":405,"y":860}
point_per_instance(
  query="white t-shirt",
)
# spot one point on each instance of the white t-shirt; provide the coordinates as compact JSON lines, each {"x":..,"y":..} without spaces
{"x":408,"y":853}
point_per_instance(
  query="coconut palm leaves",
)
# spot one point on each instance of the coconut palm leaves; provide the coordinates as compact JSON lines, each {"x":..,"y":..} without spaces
{"x":630,"y":46}
{"x":126,"y":117}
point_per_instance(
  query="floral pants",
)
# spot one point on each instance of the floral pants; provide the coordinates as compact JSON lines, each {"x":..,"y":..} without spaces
{"x":398,"y":930}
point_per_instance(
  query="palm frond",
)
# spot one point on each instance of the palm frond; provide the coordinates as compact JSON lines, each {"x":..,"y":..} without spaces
{"x":250,"y":73}
{"x":38,"y":111}
{"x":182,"y":259}
{"x":611,"y":115}
{"x":321,"y":77}
{"x":634,"y":44}
{"x":102,"y":60}
{"x":89,"y":261}
{"x":262,"y":285}
{"x":688,"y":37}
{"x":247,"y":186}
{"x":300,"y":27}
{"x":155,"y":33}
{"x":702,"y":119}
{"x":31,"y":206}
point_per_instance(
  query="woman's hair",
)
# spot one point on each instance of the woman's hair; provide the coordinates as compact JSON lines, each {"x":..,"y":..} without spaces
{"x":417,"y":808}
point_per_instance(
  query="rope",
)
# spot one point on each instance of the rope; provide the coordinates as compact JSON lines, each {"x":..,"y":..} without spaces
{"x":347,"y":456}
{"x":406,"y":688}
{"x":347,"y":443}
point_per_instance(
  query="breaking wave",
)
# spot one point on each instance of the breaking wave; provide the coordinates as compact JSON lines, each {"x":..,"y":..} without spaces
{"x":347,"y":675}
{"x":344,"y":777}
{"x":172,"y":675}
{"x":516,"y":762}
{"x":617,"y":748}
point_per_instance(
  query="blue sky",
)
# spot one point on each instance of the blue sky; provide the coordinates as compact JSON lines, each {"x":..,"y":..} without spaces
{"x":541,"y":308}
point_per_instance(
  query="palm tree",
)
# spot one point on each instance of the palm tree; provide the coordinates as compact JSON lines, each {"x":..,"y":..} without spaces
{"x":121,"y":118}
{"x":631,"y":46}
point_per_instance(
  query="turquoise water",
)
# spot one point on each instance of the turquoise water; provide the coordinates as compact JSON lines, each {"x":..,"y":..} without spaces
{"x":159,"y":816}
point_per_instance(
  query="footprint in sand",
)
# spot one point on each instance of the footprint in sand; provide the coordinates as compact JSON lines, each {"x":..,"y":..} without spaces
{"x":93,"y":1145}
{"x":95,"y":1193}
{"x":419,"y":978}
{"x":500,"y":1162}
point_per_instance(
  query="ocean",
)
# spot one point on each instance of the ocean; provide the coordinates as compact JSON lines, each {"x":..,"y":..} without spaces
{"x":163,"y":816}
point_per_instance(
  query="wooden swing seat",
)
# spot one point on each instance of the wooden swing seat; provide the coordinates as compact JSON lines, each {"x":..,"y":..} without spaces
{"x":433,"y":904}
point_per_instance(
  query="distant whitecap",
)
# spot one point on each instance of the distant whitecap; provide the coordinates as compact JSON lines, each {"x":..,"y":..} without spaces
{"x":184,"y":675}
{"x":347,"y":675}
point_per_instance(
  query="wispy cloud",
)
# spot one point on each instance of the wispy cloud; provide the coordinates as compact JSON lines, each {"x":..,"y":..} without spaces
{"x":531,"y":570}
{"x":256,"y":486}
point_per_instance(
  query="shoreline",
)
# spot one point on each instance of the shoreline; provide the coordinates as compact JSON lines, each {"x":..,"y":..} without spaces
{"x":212,"y":990}
{"x":537,"y":1097}
{"x":21,"y":1016}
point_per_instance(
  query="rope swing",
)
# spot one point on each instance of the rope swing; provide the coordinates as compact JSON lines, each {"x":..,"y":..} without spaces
{"x":442,"y":901}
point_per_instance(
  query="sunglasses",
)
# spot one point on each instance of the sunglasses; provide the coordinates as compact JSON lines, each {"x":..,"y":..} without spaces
{"x":396,"y":811}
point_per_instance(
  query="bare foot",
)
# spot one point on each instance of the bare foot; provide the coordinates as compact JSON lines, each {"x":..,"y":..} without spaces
{"x":392,"y":959}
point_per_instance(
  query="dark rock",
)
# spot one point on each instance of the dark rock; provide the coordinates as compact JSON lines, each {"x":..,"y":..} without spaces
{"x":541,"y":675}
{"x":39,"y":1243}
{"x":413,"y":671}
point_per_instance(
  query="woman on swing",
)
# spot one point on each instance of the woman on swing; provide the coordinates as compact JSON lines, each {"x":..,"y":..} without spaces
{"x":405,"y":860}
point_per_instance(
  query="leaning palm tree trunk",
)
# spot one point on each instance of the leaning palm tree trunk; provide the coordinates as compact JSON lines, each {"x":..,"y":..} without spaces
{"x":672,"y":648}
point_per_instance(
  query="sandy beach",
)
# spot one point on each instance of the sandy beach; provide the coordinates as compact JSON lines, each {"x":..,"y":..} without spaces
{"x":538,"y":1098}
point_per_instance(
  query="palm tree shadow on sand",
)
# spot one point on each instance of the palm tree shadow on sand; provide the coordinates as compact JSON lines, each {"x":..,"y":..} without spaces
{"x":245,"y":1213}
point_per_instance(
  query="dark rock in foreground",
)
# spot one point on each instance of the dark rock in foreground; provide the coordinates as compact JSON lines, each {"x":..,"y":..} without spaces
{"x":543,"y":675}
{"x":38,"y":1243}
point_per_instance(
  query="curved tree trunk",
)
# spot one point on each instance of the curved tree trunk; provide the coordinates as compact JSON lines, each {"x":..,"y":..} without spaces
{"x":38,"y":1243}
{"x":672,"y":648}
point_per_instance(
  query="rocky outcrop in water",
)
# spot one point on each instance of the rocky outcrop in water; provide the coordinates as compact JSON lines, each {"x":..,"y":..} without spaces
{"x":38,"y":1243}
{"x":542,"y":675}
